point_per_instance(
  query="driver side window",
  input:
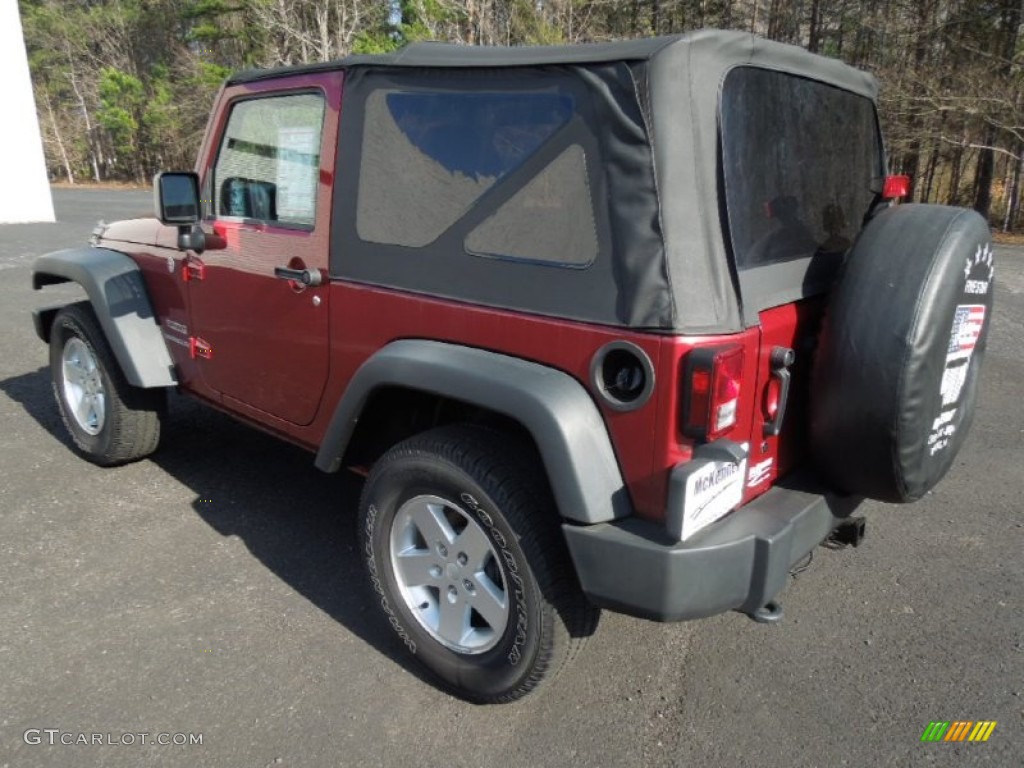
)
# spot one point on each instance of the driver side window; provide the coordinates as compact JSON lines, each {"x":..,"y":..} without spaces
{"x":268,"y":166}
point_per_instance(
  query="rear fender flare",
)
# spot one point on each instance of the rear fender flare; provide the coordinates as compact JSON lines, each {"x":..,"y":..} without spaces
{"x":117,"y":292}
{"x":557,"y":411}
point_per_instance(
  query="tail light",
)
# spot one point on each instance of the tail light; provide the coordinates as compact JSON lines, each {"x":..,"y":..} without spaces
{"x":896,"y":187}
{"x":712,"y":391}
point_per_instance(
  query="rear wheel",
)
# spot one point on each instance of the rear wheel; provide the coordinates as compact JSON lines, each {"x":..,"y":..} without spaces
{"x":109,"y":420}
{"x":462,"y":543}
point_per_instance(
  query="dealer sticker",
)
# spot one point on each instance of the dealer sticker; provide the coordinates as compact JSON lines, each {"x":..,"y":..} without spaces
{"x":760,"y":472}
{"x":713,"y":489}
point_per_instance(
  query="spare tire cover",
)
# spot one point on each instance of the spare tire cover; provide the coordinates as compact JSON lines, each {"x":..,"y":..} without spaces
{"x":896,"y":369}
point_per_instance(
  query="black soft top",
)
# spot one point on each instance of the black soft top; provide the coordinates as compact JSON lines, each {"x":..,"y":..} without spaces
{"x":730,"y":46}
{"x":434,"y":54}
{"x":665,"y":256}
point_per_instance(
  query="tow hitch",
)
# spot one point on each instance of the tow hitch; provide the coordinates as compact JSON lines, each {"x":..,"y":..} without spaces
{"x":849,"y":533}
{"x":769,"y":613}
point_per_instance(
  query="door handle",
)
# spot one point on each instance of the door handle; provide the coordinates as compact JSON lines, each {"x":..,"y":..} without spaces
{"x":308,"y":277}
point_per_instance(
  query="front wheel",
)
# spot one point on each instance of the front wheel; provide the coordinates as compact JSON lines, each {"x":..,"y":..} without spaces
{"x":462,"y":543}
{"x":109,"y":420}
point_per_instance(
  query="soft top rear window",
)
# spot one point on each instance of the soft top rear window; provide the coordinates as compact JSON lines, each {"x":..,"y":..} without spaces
{"x":801,"y":161}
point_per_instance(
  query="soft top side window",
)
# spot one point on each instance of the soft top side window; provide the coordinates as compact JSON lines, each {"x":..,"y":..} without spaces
{"x":269,"y":160}
{"x":429,"y":156}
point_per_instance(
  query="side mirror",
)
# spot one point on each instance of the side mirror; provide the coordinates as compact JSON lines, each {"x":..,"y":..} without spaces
{"x":176,"y":198}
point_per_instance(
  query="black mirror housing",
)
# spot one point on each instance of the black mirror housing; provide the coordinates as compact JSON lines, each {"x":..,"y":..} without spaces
{"x":176,"y":198}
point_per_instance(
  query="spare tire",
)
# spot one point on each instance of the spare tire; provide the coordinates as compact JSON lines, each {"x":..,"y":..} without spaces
{"x":896,"y":370}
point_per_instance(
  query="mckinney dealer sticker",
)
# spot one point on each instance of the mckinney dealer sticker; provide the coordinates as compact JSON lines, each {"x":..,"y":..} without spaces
{"x":713,"y":490}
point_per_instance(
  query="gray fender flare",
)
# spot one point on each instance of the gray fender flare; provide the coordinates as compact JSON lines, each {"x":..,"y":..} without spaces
{"x":556,"y":410}
{"x":117,"y":292}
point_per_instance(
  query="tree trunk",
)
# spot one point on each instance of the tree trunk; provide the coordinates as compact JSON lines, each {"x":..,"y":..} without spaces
{"x":60,"y":141}
{"x":814,"y":34}
{"x":775,"y":20}
{"x":911,"y":161}
{"x":929,"y":174}
{"x":323,"y":23}
{"x":954,"y":178}
{"x":1014,"y":197}
{"x":95,"y":151}
{"x":983,"y":176}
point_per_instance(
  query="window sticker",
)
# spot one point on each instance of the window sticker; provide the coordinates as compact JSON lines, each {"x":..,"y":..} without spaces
{"x":297,"y":173}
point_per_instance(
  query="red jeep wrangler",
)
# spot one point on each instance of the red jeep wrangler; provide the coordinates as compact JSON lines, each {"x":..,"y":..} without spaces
{"x":631,"y":325}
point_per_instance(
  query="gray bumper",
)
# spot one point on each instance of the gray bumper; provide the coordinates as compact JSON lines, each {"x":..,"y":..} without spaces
{"x":740,"y":562}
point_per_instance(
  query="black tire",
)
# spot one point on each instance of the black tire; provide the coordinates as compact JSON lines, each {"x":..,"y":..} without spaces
{"x":129,"y":427}
{"x":484,"y":480}
{"x":896,"y":373}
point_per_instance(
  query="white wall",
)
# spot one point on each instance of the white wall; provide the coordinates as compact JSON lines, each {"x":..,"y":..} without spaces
{"x":24,"y":188}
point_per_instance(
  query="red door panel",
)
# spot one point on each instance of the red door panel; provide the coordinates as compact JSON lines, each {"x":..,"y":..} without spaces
{"x":261,"y":340}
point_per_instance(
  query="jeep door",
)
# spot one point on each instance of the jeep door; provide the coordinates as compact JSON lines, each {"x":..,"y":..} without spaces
{"x":260,"y":339}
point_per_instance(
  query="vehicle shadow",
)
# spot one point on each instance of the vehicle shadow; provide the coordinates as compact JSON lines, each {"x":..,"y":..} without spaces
{"x":296,"y":520}
{"x":34,"y":393}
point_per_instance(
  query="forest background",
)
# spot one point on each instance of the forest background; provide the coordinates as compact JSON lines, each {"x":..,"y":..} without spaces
{"x":123,"y":88}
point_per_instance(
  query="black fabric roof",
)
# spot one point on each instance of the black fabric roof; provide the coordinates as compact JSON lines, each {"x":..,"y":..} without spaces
{"x":432,"y":54}
{"x":730,"y":43}
{"x":659,"y":139}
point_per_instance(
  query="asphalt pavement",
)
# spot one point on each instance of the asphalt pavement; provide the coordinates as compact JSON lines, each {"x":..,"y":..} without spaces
{"x":214,"y":592}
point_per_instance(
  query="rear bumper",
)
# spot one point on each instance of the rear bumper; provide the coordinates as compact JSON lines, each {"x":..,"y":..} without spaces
{"x":740,"y":562}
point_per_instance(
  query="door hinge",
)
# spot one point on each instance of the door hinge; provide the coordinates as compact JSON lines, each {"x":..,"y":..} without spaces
{"x":193,"y":270}
{"x":199,"y":348}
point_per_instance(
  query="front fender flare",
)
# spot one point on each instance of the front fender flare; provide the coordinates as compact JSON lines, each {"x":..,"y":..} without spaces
{"x":114,"y":285}
{"x":557,"y":411}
